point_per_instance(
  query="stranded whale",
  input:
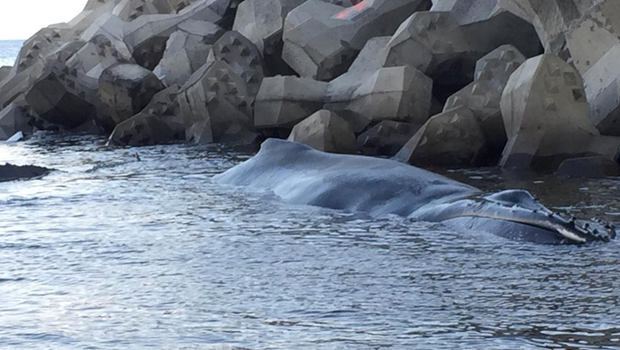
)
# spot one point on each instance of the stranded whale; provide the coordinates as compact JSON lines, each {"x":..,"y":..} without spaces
{"x":301,"y":175}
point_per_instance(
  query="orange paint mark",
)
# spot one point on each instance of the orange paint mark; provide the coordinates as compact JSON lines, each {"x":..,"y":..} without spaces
{"x":354,"y":10}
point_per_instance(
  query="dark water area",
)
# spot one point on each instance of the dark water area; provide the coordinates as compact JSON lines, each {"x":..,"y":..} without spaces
{"x":138,"y":249}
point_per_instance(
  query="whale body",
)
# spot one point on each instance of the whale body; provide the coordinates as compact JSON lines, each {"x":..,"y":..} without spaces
{"x":302,"y":175}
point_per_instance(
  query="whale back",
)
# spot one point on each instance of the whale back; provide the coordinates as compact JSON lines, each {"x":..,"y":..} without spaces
{"x":302,"y":175}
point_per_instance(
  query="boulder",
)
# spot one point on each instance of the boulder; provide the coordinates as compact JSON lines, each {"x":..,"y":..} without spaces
{"x":325,"y":131}
{"x":186,"y":51}
{"x":14,"y":119}
{"x":452,"y":138}
{"x":283,"y":101}
{"x":321,"y":40}
{"x":545,"y":114}
{"x":483,"y":96}
{"x":126,"y":89}
{"x":386,"y":138}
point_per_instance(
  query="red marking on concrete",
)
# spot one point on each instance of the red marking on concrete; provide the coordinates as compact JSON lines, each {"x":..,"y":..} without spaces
{"x":354,"y":10}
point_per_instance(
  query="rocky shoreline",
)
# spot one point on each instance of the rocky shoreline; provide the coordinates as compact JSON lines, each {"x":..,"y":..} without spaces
{"x":518,"y":84}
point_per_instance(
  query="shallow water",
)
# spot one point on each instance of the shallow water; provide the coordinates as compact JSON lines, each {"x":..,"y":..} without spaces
{"x":137,"y":249}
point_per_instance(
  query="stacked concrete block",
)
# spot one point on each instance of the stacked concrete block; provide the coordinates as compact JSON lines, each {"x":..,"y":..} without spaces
{"x":186,"y":51}
{"x":39,"y":46}
{"x":394,"y":93}
{"x":484,"y":94}
{"x":552,"y":18}
{"x":438,"y":45}
{"x":242,"y":56}
{"x":262,"y":21}
{"x":158,"y":123}
{"x":147,"y":35}
{"x":325,"y":131}
{"x":126,"y":89}
{"x":375,"y":69}
{"x":216,"y":92}
{"x":450,"y":138}
{"x":594,"y":44}
{"x":386,"y":138}
{"x":545,"y":113}
{"x":283,"y":101}
{"x":321,"y":40}
{"x":5,"y":71}
{"x":14,"y":119}
{"x":60,"y":98}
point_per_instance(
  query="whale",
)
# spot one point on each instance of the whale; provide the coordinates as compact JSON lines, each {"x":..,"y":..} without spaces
{"x":301,"y":175}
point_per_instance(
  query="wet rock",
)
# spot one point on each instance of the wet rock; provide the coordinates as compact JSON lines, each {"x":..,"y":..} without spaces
{"x":325,"y":131}
{"x":545,"y":113}
{"x":283,"y":102}
{"x":9,"y":172}
{"x":452,"y":138}
{"x":386,"y":138}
